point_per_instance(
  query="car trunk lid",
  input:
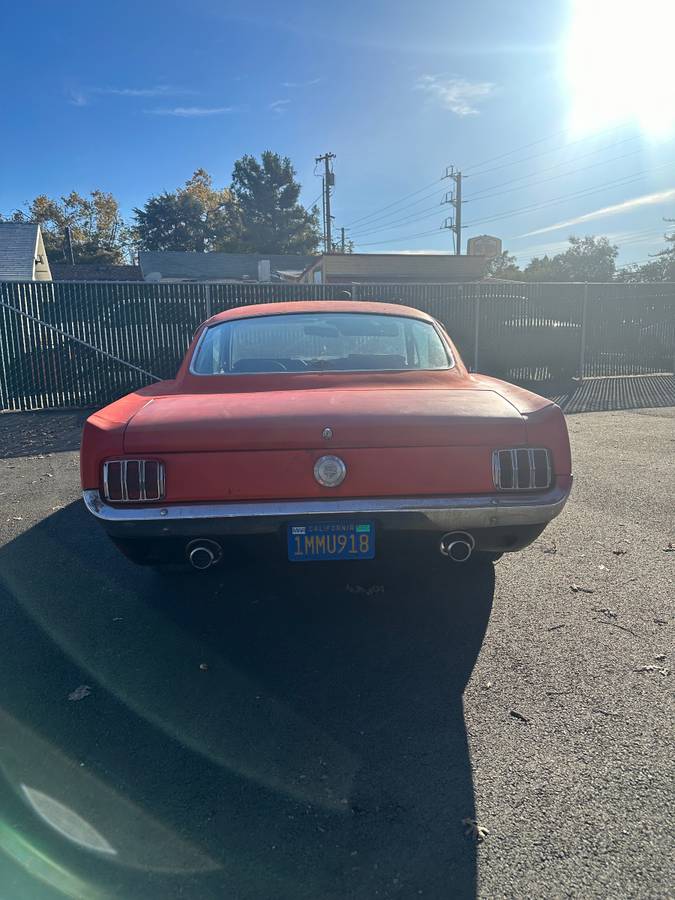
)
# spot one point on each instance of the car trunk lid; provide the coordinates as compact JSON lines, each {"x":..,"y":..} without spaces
{"x":288,"y":420}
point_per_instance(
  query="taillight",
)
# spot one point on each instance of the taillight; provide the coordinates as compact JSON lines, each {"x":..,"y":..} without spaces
{"x":133,"y":480}
{"x":521,"y":469}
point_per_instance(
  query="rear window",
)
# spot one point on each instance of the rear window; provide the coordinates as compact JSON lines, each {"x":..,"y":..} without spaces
{"x":320,"y":342}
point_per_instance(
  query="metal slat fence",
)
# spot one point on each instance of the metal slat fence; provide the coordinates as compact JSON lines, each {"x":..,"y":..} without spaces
{"x":71,"y":344}
{"x":630,"y":329}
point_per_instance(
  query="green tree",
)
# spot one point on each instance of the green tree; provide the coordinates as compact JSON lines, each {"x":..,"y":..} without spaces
{"x":337,"y":244}
{"x":661,"y":267}
{"x":586,"y":259}
{"x":195,"y":217}
{"x":504,"y":266}
{"x":97,"y":230}
{"x":270,"y":219}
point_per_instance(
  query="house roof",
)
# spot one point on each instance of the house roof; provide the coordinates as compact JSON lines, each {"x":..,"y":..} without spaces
{"x":95,"y":272}
{"x":188,"y":266}
{"x":396,"y":267}
{"x":18,"y":247}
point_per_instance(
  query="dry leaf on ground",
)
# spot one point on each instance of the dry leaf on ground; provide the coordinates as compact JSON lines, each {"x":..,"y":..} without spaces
{"x":651,"y":668}
{"x":474,"y":830}
{"x":606,"y":612}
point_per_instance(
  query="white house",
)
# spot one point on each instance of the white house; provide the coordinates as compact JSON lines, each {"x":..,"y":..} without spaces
{"x":22,"y":253}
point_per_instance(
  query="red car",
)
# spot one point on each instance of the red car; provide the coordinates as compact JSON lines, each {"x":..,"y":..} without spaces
{"x":329,"y":425}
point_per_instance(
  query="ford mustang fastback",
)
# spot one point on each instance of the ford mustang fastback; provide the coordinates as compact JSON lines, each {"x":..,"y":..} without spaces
{"x":327,"y":425}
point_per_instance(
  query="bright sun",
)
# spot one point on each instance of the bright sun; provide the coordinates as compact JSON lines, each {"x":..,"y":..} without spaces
{"x":618,"y":59}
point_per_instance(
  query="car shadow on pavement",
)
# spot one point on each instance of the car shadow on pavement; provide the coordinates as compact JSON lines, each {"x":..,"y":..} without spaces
{"x":265,"y":731}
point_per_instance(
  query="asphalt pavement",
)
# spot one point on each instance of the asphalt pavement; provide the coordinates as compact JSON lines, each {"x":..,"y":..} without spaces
{"x":317,"y":731}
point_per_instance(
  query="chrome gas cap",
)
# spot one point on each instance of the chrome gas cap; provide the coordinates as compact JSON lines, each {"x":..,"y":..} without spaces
{"x":330,"y":471}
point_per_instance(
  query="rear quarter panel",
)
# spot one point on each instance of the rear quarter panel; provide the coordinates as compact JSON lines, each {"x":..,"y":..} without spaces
{"x":103,"y":432}
{"x":544,"y":420}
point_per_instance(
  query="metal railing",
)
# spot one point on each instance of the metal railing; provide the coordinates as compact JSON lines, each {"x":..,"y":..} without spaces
{"x":75,"y":344}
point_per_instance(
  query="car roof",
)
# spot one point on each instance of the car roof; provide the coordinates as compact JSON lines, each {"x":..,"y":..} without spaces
{"x":324,"y":306}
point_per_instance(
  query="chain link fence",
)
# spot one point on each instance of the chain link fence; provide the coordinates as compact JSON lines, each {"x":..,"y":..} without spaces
{"x":79,"y":344}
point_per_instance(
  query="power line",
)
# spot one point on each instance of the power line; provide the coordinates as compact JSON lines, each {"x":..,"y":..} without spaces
{"x":366,"y":228}
{"x":511,"y":213}
{"x":482,"y":195}
{"x":490,"y":159}
{"x":387,"y":216}
{"x":369,"y":221}
{"x":552,"y":150}
{"x":504,"y":215}
{"x":394,"y":203}
{"x":534,"y":208}
{"x":541,"y":141}
{"x":635,"y":234}
{"x":578,"y":194}
{"x":404,"y":237}
{"x":424,"y":214}
{"x":408,"y":220}
{"x":370,"y":218}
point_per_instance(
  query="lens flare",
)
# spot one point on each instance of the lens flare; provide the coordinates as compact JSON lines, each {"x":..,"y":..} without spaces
{"x":618,"y":65}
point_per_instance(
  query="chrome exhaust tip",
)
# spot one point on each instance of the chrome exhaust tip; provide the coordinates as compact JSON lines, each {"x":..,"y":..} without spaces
{"x":203,"y":554}
{"x":457,"y":546}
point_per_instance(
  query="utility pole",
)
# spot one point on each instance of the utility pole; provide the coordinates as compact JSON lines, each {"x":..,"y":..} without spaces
{"x":323,"y":209}
{"x":458,"y":211}
{"x":328,"y":182}
{"x":342,"y":240}
{"x":455,"y":200}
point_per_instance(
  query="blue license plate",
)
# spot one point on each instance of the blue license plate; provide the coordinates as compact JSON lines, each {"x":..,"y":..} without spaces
{"x":331,"y":540}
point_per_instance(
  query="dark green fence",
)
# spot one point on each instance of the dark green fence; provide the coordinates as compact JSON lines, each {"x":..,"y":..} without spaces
{"x":75,"y":344}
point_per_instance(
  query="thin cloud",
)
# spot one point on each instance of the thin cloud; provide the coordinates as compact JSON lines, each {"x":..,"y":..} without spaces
{"x":191,"y":112}
{"x":279,"y":106}
{"x":457,"y":95}
{"x":616,"y":209}
{"x":159,"y":90}
{"x":301,"y":84}
{"x":82,"y":96}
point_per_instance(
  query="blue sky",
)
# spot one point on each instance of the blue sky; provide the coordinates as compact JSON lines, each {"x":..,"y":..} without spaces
{"x":132,"y":97}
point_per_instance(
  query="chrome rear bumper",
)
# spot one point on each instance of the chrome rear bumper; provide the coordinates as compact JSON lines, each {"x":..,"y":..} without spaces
{"x":396,"y":513}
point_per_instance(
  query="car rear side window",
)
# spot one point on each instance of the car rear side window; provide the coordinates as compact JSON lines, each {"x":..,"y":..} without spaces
{"x":320,"y":342}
